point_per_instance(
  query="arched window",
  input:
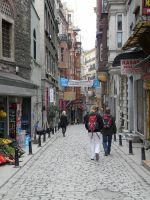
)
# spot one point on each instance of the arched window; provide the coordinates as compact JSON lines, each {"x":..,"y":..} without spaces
{"x":34,"y":44}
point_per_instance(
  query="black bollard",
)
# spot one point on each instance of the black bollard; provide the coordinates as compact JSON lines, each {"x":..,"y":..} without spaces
{"x":53,"y":131}
{"x":39,"y":141}
{"x":130,"y":147}
{"x":115,"y":137}
{"x":49,"y":133}
{"x":30,"y":147}
{"x":16,"y":158}
{"x":120,"y":140}
{"x":44,"y":136}
{"x":143,"y":157}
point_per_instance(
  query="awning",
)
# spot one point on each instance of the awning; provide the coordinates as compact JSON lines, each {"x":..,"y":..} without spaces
{"x":133,"y":40}
{"x":128,"y":55}
{"x":143,"y":62}
{"x":13,"y":85}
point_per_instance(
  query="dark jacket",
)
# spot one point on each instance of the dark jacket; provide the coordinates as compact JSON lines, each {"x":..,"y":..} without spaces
{"x":99,"y":122}
{"x":110,"y":131}
{"x":86,"y":120}
{"x":63,"y":121}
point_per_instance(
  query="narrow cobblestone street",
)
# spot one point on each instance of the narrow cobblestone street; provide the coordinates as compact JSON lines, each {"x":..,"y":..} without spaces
{"x":62,"y":170}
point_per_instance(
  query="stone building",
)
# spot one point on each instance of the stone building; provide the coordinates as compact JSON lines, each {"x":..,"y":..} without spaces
{"x":101,"y":48}
{"x":16,"y":88}
{"x":47,"y":11}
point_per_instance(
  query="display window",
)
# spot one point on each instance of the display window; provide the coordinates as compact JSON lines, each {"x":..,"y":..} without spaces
{"x":3,"y":117}
{"x":12,"y":119}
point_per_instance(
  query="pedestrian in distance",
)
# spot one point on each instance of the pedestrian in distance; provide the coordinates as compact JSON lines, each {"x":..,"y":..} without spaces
{"x":94,"y":126}
{"x":108,"y":130}
{"x":63,"y":122}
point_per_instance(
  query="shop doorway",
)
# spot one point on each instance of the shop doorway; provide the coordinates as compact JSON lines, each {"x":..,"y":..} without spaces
{"x":26,"y":115}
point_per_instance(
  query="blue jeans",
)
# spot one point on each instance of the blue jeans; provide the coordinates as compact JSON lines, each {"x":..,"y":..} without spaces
{"x":107,"y":143}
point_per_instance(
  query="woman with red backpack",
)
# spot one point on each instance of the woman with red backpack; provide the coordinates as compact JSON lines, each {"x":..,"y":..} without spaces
{"x":94,"y":124}
{"x":108,"y":130}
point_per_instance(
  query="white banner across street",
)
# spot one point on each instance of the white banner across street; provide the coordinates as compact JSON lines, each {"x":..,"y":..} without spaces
{"x":80,"y":83}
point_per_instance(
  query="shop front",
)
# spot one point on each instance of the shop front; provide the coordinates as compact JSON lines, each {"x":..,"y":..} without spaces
{"x":15,"y":107}
{"x":15,"y":117}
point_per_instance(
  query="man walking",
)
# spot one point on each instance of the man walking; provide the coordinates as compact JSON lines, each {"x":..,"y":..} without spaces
{"x":108,"y":130}
{"x":94,"y":125}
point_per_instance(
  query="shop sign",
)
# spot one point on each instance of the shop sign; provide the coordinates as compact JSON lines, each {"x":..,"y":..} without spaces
{"x":51,"y":95}
{"x":145,"y":7}
{"x":69,"y":96}
{"x":128,"y":67}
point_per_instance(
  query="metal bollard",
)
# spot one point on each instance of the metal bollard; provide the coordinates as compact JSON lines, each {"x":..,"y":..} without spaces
{"x":39,"y":141}
{"x":53,"y":131}
{"x":143,"y":157}
{"x":115,"y":137}
{"x":130,"y":147}
{"x":16,"y":158}
{"x":49,"y":133}
{"x":30,"y":147}
{"x":120,"y":140}
{"x":44,"y":136}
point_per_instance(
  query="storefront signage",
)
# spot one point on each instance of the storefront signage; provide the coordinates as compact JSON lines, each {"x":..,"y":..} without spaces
{"x":51,"y":95}
{"x":128,"y":67}
{"x":145,"y":7}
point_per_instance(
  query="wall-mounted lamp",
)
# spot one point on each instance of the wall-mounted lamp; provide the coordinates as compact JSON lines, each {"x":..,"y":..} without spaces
{"x":17,"y":70}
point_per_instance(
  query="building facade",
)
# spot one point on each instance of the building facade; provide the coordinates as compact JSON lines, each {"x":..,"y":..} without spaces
{"x":49,"y":57}
{"x":16,"y":88}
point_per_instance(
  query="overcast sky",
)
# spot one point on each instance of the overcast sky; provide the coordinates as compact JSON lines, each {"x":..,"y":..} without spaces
{"x":85,"y":19}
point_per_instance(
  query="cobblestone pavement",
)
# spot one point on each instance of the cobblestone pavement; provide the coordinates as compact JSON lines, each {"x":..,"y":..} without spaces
{"x":62,"y":170}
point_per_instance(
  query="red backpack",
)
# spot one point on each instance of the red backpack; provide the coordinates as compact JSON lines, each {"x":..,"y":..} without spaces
{"x":92,"y":123}
{"x":107,"y":120}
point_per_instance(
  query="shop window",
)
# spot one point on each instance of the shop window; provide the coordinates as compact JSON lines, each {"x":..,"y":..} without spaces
{"x":3,"y":117}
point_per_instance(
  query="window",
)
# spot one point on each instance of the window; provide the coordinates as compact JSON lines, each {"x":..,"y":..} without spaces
{"x":62,"y":54}
{"x":6,"y":31}
{"x":119,"y":39}
{"x":6,"y":41}
{"x":119,"y":30}
{"x":34,"y":44}
{"x":119,"y":22}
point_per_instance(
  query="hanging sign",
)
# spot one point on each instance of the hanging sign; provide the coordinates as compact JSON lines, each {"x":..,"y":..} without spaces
{"x":51,"y":95}
{"x":80,"y":83}
{"x":128,"y":67}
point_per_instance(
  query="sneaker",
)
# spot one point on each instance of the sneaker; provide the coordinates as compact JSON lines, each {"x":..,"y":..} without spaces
{"x":97,"y":156}
{"x":106,"y":154}
{"x":92,"y":158}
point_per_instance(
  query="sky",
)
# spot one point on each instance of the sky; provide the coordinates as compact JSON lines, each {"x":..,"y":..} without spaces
{"x":85,"y":19}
